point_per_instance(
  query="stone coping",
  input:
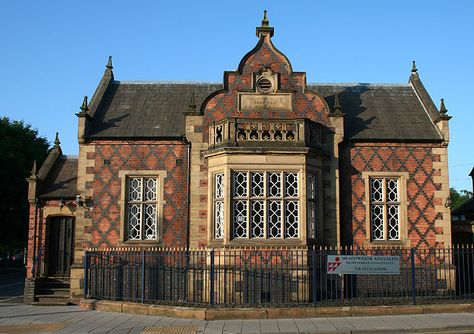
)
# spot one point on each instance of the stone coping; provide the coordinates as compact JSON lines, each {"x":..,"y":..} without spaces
{"x":268,"y":313}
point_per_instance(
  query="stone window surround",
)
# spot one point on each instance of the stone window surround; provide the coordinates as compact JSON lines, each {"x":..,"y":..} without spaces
{"x":402,"y":191}
{"x":226,"y":164}
{"x":124,"y":175}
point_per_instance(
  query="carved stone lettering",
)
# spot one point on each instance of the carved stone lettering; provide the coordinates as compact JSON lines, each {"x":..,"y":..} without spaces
{"x":274,"y":102}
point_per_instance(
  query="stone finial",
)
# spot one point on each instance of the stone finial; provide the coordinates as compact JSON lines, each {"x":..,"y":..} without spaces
{"x":265,"y":21}
{"x":442,"y":108}
{"x":33,"y":170}
{"x":109,"y":64}
{"x":265,"y":29}
{"x":84,"y":106}
{"x":56,"y":140}
{"x":414,"y":70}
{"x":336,"y":109}
{"x":192,"y":104}
{"x":337,"y":105}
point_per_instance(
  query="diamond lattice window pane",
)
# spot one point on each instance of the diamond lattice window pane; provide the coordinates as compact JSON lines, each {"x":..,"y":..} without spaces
{"x":258,"y":184}
{"x":393,"y":222}
{"x":274,"y":184}
{"x":150,"y":189}
{"x":291,"y":184}
{"x":311,"y":186}
{"x":134,"y":189}
{"x":392,"y":190}
{"x":257,"y":226}
{"x":274,"y":219}
{"x":134,"y":226}
{"x":150,"y":221}
{"x":311,"y":211}
{"x":240,"y":219}
{"x":291,"y":219}
{"x":240,"y":184}
{"x":219,"y":222}
{"x":376,"y":190}
{"x":376,"y":218}
{"x":219,"y":185}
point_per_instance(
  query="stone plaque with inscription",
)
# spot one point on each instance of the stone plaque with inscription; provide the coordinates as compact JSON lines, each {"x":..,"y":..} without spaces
{"x":273,"y":102}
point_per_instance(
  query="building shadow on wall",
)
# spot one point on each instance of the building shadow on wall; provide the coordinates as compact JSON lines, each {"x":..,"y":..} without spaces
{"x":351,"y":99}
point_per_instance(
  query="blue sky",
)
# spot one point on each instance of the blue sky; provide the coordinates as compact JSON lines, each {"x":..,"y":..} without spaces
{"x":54,"y":52}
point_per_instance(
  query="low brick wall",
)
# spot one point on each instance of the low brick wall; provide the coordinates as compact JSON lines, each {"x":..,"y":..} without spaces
{"x":268,"y":313}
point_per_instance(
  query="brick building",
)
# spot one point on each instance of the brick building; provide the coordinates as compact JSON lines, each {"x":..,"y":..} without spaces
{"x":262,"y":159}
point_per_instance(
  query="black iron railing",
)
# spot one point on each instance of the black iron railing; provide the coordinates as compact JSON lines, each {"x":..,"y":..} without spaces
{"x":275,"y":276}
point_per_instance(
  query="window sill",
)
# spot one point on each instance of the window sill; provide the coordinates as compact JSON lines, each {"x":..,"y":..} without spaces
{"x":258,"y":242}
{"x":156,"y":243}
{"x":386,"y":243}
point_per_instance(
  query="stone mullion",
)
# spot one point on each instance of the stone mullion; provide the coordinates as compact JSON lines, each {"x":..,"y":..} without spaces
{"x":249,"y":206}
{"x":385,"y":209}
{"x":265,"y":205}
{"x":283,"y":208}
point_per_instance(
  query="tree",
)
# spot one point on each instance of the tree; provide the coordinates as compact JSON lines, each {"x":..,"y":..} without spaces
{"x":20,"y":145}
{"x":458,"y":198}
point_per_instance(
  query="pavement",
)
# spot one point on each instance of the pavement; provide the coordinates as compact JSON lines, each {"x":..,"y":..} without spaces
{"x":12,"y":282}
{"x":22,"y":318}
{"x":16,"y":317}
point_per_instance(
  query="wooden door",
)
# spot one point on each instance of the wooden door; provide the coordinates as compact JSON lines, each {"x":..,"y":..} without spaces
{"x":60,"y":246}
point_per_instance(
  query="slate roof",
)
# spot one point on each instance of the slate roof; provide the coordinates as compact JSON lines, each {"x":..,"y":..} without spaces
{"x":380,"y":112}
{"x":146,"y":110}
{"x":154,"y":110}
{"x":61,"y":181}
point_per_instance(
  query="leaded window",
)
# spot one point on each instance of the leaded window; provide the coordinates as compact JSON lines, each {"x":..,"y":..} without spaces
{"x":141,"y":208}
{"x":219,"y":206}
{"x":384,"y":209}
{"x":265,"y":205}
{"x":311,"y":209}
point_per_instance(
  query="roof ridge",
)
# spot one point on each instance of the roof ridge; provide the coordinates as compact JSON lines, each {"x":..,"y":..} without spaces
{"x":357,"y":84}
{"x":164,"y":82}
{"x":191,"y":82}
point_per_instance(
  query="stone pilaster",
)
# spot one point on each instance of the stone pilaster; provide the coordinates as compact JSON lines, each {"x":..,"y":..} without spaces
{"x":83,"y":228}
{"x":198,"y":182}
{"x":443,"y":221}
{"x":331,"y":184}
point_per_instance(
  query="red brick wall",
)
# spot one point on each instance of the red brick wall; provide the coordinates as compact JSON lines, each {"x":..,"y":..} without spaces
{"x":110,"y":158}
{"x":417,"y":160}
{"x":31,"y":240}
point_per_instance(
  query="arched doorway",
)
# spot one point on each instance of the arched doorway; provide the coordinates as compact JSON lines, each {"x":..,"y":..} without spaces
{"x":60,"y":246}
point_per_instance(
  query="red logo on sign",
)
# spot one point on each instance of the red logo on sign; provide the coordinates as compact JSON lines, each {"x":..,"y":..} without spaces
{"x":332,"y":265}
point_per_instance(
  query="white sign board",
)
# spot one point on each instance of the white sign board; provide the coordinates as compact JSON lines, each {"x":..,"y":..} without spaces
{"x":363,"y":264}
